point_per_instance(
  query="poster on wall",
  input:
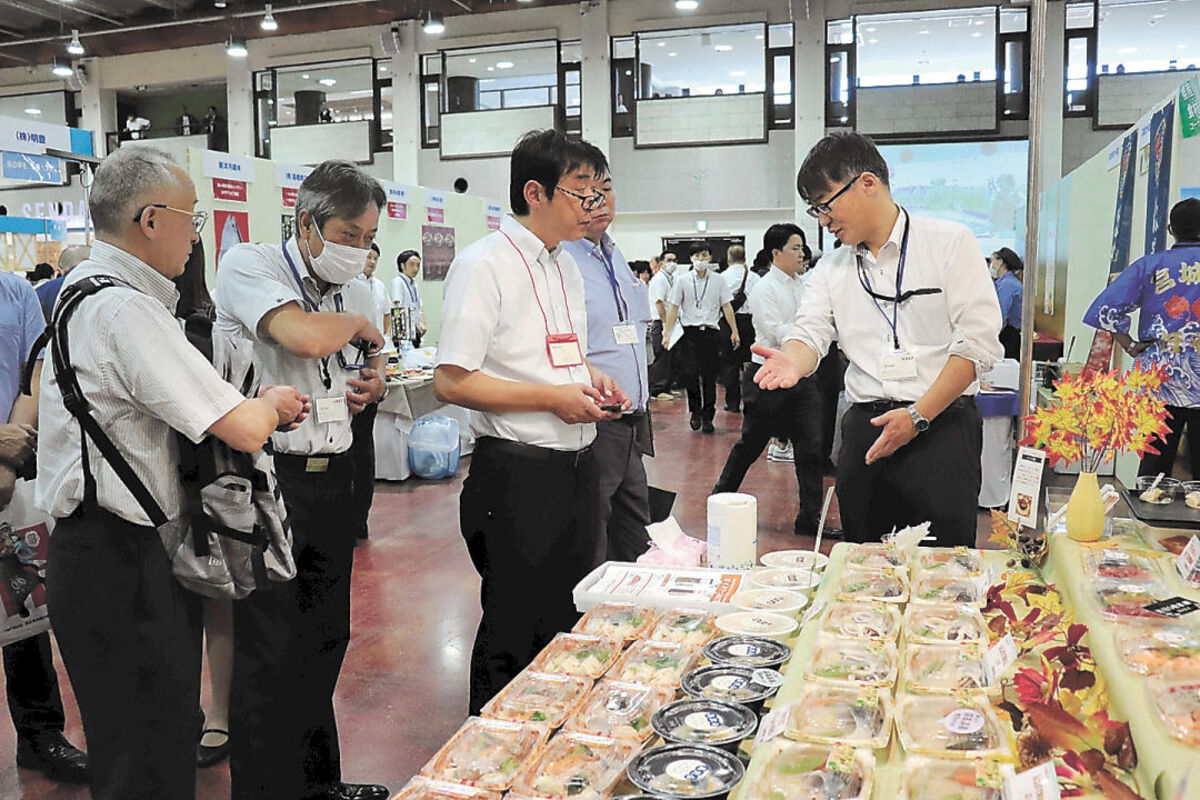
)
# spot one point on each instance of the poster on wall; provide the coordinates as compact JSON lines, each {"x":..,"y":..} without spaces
{"x":435,"y":207}
{"x":1123,"y":224}
{"x":437,"y":251}
{"x":229,"y":191}
{"x":495,"y":213}
{"x":288,"y":178}
{"x":1189,"y":108}
{"x":1158,"y":188}
{"x":231,"y":228}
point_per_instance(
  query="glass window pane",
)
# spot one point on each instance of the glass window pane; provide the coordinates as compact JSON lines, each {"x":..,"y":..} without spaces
{"x":339,"y":90}
{"x":622,"y":47}
{"x":1014,"y":67}
{"x":839,"y":31}
{"x":781,"y":90}
{"x":262,"y":81}
{"x":431,"y":64}
{"x":1148,"y":36}
{"x":955,"y":45}
{"x":1014,"y":20}
{"x":839,"y":87}
{"x":1080,"y":15}
{"x":385,"y":108}
{"x":502,"y":76}
{"x":780,"y":35}
{"x":1077,"y":74}
{"x":432,"y":111}
{"x":727,"y":59}
{"x":383,"y":68}
{"x":49,"y":107}
{"x":570,"y":52}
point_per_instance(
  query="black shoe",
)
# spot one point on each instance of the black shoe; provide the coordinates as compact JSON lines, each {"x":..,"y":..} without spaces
{"x":354,"y":791}
{"x":833,"y":533}
{"x":694,"y":422}
{"x":707,"y":427}
{"x":208,"y":755}
{"x":52,"y":755}
{"x":733,"y":409}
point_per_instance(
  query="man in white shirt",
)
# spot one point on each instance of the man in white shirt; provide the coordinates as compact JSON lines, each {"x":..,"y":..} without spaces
{"x":407,"y":295}
{"x":660,"y":288}
{"x":697,"y":301}
{"x":511,"y":349}
{"x":362,"y":451}
{"x":379,"y":292}
{"x":913,"y":309}
{"x":741,"y":283}
{"x":791,"y":413}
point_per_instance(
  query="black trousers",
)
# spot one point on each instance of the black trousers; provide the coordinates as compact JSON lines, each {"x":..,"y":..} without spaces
{"x":1010,"y":340}
{"x":934,"y":478}
{"x":130,"y":636}
{"x":362,"y":453}
{"x":289,"y":642}
{"x":830,"y":379}
{"x":699,"y":353}
{"x":32,"y":687}
{"x":793,"y":414}
{"x":733,"y":359}
{"x":660,"y":370}
{"x":624,"y":496}
{"x":529,"y":518}
{"x":1168,"y":446}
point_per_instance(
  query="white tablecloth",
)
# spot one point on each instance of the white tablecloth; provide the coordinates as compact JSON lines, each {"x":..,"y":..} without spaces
{"x":392,"y":429}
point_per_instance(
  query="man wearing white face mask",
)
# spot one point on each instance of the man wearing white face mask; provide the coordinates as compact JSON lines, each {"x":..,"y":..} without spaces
{"x":311,"y":326}
{"x":660,"y":288}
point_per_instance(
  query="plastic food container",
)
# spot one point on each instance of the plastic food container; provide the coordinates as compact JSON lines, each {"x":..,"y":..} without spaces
{"x":779,"y":601}
{"x":795,"y":559}
{"x":1178,"y":706}
{"x":946,"y":668}
{"x":950,"y":726}
{"x":576,"y":765}
{"x":935,"y":588}
{"x":703,"y":721}
{"x":654,"y":663}
{"x":925,"y":778}
{"x":691,"y":627}
{"x":940,"y":624}
{"x":538,"y":697}
{"x":796,"y":580}
{"x":620,"y":710}
{"x":952,"y":561}
{"x":1165,"y":651}
{"x":831,"y":714}
{"x":486,"y":753}
{"x":861,"y":619}
{"x":421,"y":788}
{"x":794,"y":770}
{"x":733,"y":683}
{"x":853,"y":661}
{"x":1167,"y":491}
{"x":623,"y":621}
{"x":1125,"y":601}
{"x":682,"y":771}
{"x":577,"y":654}
{"x":1190,"y":492}
{"x":758,"y":623}
{"x":747,"y":651}
{"x":888,"y":585}
{"x":1119,"y":565}
{"x":876,"y":556}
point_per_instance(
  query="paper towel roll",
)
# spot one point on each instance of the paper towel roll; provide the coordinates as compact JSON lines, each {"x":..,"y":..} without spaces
{"x":732,"y":530}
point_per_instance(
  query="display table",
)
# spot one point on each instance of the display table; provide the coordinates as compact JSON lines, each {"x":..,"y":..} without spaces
{"x":407,"y":401}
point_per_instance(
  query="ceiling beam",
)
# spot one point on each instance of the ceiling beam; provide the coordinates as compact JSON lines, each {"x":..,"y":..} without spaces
{"x":37,"y":12}
{"x":87,"y":10}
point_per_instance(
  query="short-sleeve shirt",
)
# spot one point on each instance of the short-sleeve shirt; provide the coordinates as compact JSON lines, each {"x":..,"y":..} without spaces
{"x":255,"y":279}
{"x":20,"y":324}
{"x":700,"y":299}
{"x":502,"y":295}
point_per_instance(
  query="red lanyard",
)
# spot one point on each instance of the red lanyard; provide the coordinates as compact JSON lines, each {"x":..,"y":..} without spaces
{"x":533,"y":284}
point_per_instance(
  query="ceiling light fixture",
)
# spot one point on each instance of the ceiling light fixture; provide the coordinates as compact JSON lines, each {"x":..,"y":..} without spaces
{"x":435,"y":23}
{"x":33,"y":111}
{"x":672,"y":55}
{"x":304,"y":76}
{"x":737,"y":73}
{"x":268,"y":22}
{"x":327,"y":82}
{"x":504,"y":65}
{"x":75,"y":47}
{"x":235,"y":46}
{"x":61,"y":70}
{"x":723,"y":48}
{"x":219,"y":3}
{"x":687,"y":5}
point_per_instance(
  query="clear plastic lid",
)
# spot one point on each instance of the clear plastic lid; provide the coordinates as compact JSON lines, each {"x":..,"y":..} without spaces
{"x":678,"y":771}
{"x":961,"y":725}
{"x":691,"y":627}
{"x":1168,"y":541}
{"x":486,"y":753}
{"x":538,"y":697}
{"x":747,"y":651}
{"x":757,"y":623}
{"x":1178,"y":706}
{"x":422,"y":788}
{"x":830,"y":714}
{"x":795,"y":559}
{"x":577,"y":654}
{"x":780,"y":601}
{"x":797,"y":580}
{"x":616,"y":621}
{"x":654,"y":663}
{"x":732,"y":683}
{"x":946,"y":668}
{"x":876,"y":556}
{"x":1166,"y":650}
{"x":939,"y":624}
{"x":578,"y":766}
{"x":704,"y":721}
{"x":1120,"y":565}
{"x":854,"y":661}
{"x":953,"y":561}
{"x":887,"y":585}
{"x":925,"y":778}
{"x":932,"y":587}
{"x":620,"y":710}
{"x":786,"y":770}
{"x":1126,"y":601}
{"x":861,"y":619}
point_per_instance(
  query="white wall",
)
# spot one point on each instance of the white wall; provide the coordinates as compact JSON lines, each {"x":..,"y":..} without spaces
{"x":935,"y":107}
{"x":312,"y":144}
{"x":1081,"y":142}
{"x":680,"y":120}
{"x":466,"y":134}
{"x":1124,"y":98}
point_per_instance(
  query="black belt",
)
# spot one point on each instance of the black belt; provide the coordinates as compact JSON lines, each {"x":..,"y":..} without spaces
{"x":632,"y":419}
{"x":319,"y":462}
{"x":884,"y":406}
{"x":530,"y":452}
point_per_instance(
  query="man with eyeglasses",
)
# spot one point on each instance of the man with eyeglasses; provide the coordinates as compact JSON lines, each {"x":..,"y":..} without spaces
{"x":912,"y":306}
{"x":512,"y":349}
{"x":312,"y":324}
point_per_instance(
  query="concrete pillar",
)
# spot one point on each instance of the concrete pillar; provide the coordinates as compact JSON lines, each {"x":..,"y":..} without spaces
{"x":239,"y":104}
{"x":1053,"y":75}
{"x":596,"y":76}
{"x":808,"y":87}
{"x":98,"y":106}
{"x":406,"y":105}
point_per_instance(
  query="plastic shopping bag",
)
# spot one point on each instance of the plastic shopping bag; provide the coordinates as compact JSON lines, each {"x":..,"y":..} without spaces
{"x":433,"y":447}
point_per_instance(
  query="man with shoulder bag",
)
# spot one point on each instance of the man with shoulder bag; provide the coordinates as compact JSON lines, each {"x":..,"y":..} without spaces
{"x":741,"y":282}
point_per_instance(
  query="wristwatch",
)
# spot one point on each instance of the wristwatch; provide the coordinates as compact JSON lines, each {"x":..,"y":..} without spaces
{"x":919,"y":422}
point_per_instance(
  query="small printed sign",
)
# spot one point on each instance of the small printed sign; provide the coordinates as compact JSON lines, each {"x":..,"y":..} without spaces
{"x":1039,"y":783}
{"x":1026,"y":486}
{"x":224,"y":189}
{"x":772,"y":725}
{"x":1188,"y":562}
{"x":1174,"y":607}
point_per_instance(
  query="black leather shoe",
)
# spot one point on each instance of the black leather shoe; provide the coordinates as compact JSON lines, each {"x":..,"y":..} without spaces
{"x":694,"y":422}
{"x":208,"y":755}
{"x":356,"y":791}
{"x":52,"y":755}
{"x":707,"y":426}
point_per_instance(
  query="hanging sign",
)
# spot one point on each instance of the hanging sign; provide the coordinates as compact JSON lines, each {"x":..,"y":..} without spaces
{"x":495,"y":213}
{"x":399,"y":197}
{"x":435,"y":207}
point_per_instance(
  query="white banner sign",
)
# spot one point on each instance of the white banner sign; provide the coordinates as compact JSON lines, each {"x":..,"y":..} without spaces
{"x":223,"y":165}
{"x":290,"y":176}
{"x":398,"y":192}
{"x":28,"y":136}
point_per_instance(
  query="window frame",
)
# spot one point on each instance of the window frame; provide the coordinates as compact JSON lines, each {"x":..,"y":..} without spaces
{"x":850,"y":52}
{"x":1002,"y":41}
{"x":773,"y":122}
{"x":1090,"y":105}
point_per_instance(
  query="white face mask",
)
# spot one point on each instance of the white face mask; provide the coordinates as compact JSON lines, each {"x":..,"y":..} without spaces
{"x":669,"y":267}
{"x":700,"y":266}
{"x":994,"y":271}
{"x":337,"y":263}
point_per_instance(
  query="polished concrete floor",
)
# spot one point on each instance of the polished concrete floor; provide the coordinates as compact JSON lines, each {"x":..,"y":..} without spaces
{"x":403,"y":688}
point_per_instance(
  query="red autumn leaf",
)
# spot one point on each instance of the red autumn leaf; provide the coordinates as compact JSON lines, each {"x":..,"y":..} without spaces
{"x":1112,"y":788}
{"x":1060,"y":728}
{"x":1077,"y":631}
{"x":1176,"y":306}
{"x":1077,"y":680}
{"x":1093,"y":760}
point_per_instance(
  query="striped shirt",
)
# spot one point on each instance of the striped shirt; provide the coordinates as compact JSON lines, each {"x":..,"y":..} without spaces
{"x":142,"y":379}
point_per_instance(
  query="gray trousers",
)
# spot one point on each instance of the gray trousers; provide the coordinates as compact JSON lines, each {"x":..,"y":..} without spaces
{"x":624,"y":496}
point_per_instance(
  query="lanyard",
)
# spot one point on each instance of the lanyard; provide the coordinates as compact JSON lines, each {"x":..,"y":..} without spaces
{"x":561,"y":283}
{"x":412,"y":287}
{"x":312,"y":307}
{"x":699,"y":295}
{"x":618,"y":297}
{"x":865,"y":280}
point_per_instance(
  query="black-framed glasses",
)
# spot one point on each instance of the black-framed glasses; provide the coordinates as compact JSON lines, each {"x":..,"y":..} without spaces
{"x":815,"y":211}
{"x":589,"y":202}
{"x":198,"y":217}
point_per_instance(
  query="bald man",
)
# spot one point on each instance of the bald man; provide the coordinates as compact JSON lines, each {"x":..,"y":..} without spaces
{"x":67,"y":260}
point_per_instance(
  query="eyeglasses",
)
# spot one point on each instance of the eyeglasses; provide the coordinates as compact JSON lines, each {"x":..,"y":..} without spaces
{"x":589,"y":202}
{"x":815,"y":211}
{"x":198,"y":217}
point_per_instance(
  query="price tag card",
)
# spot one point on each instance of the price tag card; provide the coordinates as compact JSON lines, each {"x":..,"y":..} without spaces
{"x":1188,"y":562}
{"x":1039,"y":783}
{"x":963,"y":721}
{"x":1026,"y":486}
{"x":771,"y":678}
{"x":772,"y":724}
{"x":1000,"y":657}
{"x":841,"y":758}
{"x":1174,"y":607}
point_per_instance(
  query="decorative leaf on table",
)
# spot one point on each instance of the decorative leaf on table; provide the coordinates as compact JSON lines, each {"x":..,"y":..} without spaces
{"x":1004,"y":530}
{"x":1093,"y":760}
{"x":1113,"y":788}
{"x":1061,"y":729}
{"x":1076,"y":680}
{"x":1119,"y":742}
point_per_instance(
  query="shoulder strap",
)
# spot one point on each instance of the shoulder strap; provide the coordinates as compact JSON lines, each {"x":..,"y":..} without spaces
{"x":745,"y":275}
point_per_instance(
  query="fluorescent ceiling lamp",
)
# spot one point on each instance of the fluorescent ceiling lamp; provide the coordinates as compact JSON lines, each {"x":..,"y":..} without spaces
{"x":268,"y":22}
{"x":434,"y":24}
{"x":61,"y":70}
{"x":672,"y":55}
{"x":33,"y":111}
{"x":75,"y":47}
{"x":219,"y":3}
{"x":723,"y":48}
{"x":504,"y":65}
{"x":687,"y":5}
{"x":236,"y":47}
{"x":327,"y":81}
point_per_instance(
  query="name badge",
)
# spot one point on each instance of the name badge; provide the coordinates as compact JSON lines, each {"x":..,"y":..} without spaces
{"x":332,"y":409}
{"x":625,"y":333}
{"x":897,"y":365}
{"x":563,"y":349}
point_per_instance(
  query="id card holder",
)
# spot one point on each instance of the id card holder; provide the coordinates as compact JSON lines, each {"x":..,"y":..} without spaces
{"x":563,"y":349}
{"x":331,"y":409}
{"x":897,"y":365}
{"x":625,"y":333}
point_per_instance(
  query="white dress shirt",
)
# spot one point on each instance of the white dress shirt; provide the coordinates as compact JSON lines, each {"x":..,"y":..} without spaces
{"x":773,"y":305}
{"x":733,"y":276}
{"x":961,"y":319}
{"x":379,"y":293}
{"x":700,"y":298}
{"x":660,"y":289}
{"x":406,"y":292}
{"x":255,"y":279}
{"x":491,"y":322}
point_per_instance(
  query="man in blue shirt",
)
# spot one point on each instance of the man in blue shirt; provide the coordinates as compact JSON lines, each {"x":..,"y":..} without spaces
{"x":1005,"y":266}
{"x":1165,"y":287}
{"x":618,"y":311}
{"x":47,"y":293}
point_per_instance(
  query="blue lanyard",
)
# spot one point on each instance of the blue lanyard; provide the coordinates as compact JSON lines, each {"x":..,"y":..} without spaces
{"x":323,"y":368}
{"x":618,"y":297}
{"x":696,"y":289}
{"x":865,"y":280}
{"x":412,"y":287}
{"x":308,"y":301}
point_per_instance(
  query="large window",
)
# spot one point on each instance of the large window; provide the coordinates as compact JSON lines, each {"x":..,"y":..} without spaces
{"x":502,"y":76}
{"x":780,"y":56}
{"x":1148,"y":35}
{"x":955,"y":45}
{"x":48,"y":107}
{"x":839,"y":73}
{"x":1080,"y":51}
{"x":1013,"y":44}
{"x":431,"y":100}
{"x":624,"y":90}
{"x":340,"y":91}
{"x":727,"y":59}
